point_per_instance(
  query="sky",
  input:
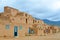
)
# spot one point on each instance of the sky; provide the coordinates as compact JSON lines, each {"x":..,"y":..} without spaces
{"x":43,"y":9}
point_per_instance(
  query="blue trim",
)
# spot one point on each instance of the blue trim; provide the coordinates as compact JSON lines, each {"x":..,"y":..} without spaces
{"x":7,"y":26}
{"x":15,"y":30}
{"x":20,"y":27}
{"x":29,"y":30}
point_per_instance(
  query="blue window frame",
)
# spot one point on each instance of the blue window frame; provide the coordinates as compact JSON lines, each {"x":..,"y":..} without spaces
{"x":30,"y":31}
{"x":15,"y":28}
{"x":20,"y":27}
{"x":7,"y":26}
{"x":15,"y":31}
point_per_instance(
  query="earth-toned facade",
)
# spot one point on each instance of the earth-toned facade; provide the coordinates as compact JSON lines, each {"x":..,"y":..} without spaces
{"x":16,"y":23}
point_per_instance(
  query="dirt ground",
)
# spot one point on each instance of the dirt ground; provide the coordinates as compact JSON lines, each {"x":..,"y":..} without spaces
{"x":49,"y":37}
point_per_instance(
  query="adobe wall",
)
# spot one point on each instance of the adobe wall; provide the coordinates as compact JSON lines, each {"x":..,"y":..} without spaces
{"x":16,"y":18}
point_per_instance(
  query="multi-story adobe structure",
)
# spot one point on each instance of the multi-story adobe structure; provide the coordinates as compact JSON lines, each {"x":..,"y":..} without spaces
{"x":16,"y":23}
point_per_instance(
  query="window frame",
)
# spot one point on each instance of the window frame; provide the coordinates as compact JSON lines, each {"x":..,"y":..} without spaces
{"x":7,"y":27}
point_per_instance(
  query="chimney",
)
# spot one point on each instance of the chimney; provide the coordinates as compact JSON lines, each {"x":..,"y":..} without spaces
{"x":7,"y":9}
{"x":10,"y":10}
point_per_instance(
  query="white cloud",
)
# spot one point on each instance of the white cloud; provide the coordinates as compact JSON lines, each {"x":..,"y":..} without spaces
{"x":7,"y":2}
{"x":43,"y":9}
{"x":55,"y":6}
{"x":50,"y":9}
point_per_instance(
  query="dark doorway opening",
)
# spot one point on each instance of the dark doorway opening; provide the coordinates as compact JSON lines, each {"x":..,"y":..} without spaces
{"x":16,"y":31}
{"x":15,"y":34}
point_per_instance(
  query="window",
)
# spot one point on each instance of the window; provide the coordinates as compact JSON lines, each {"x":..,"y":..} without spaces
{"x":20,"y":27}
{"x":31,"y":31}
{"x":38,"y":21}
{"x":34,"y":21}
{"x":15,"y":28}
{"x":26,"y":20}
{"x":47,"y":31}
{"x":0,"y":14}
{"x":7,"y":26}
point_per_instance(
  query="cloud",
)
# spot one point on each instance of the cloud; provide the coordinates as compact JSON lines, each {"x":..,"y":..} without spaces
{"x":7,"y":2}
{"x":43,"y":9}
{"x":56,"y":18}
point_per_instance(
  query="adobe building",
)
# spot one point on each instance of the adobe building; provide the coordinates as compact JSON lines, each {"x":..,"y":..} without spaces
{"x":16,"y":23}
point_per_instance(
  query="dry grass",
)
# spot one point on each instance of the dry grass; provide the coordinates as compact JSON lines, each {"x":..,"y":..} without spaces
{"x":49,"y":37}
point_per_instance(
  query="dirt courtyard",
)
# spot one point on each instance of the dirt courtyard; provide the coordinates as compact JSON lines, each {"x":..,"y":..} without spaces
{"x":49,"y":37}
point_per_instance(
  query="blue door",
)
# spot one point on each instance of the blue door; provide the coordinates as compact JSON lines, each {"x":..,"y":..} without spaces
{"x":15,"y":30}
{"x":29,"y":30}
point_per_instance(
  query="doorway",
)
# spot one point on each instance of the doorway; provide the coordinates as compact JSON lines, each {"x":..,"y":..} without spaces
{"x":15,"y":31}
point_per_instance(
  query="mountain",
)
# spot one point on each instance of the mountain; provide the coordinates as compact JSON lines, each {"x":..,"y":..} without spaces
{"x":55,"y":23}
